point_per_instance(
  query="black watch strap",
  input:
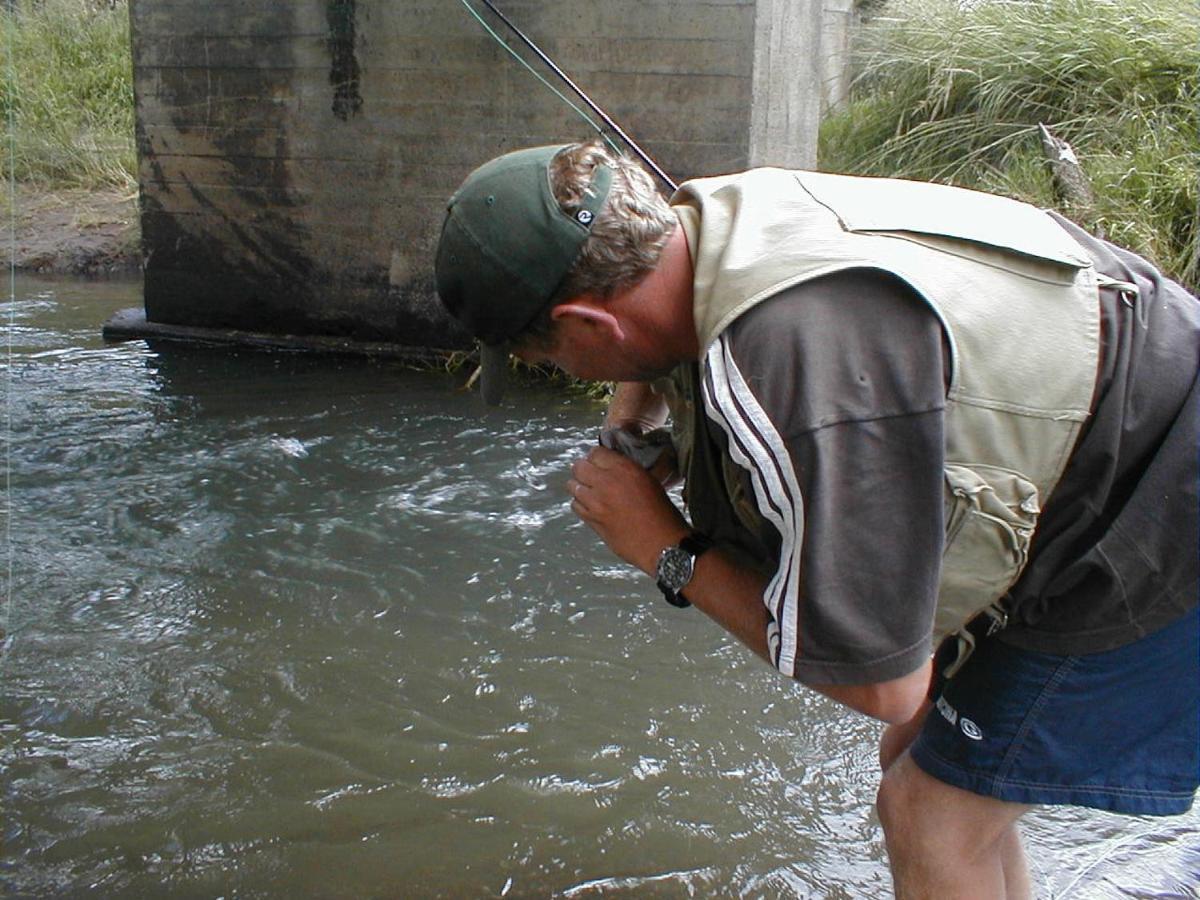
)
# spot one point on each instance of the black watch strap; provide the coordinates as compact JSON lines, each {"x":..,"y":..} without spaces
{"x":694,"y":544}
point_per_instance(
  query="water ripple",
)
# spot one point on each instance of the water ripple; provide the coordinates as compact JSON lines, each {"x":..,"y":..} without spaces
{"x":285,"y":626}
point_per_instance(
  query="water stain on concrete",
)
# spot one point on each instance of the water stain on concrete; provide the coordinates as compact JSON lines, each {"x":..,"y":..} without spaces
{"x":343,"y":67}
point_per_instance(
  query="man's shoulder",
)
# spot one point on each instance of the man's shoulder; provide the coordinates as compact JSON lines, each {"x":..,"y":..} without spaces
{"x":847,"y":294}
{"x":841,"y":312}
{"x":853,"y":346}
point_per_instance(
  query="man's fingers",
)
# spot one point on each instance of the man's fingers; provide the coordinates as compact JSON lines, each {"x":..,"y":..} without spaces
{"x":593,"y":468}
{"x":580,"y":469}
{"x":603,"y":458}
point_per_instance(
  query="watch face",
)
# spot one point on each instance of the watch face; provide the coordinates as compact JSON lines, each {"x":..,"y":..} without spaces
{"x":675,"y":568}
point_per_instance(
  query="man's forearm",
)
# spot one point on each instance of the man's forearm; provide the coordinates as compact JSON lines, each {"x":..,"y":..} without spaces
{"x":633,"y":515}
{"x":731,"y":595}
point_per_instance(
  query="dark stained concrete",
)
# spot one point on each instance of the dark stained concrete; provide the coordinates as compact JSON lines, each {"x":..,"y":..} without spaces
{"x":296,"y":155}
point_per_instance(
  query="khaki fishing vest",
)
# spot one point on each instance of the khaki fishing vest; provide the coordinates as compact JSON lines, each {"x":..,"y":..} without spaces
{"x":1017,"y":297}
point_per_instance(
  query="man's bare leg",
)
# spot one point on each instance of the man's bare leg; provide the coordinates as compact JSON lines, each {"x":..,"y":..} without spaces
{"x":1018,"y":884}
{"x":899,"y":737}
{"x":944,"y":842}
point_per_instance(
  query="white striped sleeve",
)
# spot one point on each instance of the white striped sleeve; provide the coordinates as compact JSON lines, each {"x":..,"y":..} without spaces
{"x":756,"y":445}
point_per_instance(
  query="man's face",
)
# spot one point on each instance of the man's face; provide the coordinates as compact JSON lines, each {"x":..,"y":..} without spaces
{"x":585,"y":350}
{"x":578,"y":351}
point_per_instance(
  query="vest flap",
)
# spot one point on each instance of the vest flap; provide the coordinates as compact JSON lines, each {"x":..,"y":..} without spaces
{"x":893,"y":205}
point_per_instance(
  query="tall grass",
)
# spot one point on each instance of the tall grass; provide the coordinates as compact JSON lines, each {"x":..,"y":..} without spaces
{"x":67,"y":101}
{"x":952,"y":91}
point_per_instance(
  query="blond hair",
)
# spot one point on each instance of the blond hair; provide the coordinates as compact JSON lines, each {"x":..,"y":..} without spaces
{"x":627,"y":238}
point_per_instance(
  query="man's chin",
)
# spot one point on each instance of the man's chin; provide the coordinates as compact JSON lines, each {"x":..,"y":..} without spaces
{"x":627,"y":376}
{"x":618,"y":374}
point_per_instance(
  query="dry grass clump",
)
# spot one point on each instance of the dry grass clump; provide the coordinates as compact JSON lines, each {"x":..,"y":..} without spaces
{"x":952,"y":91}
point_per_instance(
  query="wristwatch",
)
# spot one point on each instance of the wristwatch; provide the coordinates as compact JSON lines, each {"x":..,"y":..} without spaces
{"x":676,"y":564}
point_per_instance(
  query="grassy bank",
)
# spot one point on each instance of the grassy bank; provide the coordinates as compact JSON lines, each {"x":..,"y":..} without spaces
{"x":68,"y":93}
{"x":954,"y":92}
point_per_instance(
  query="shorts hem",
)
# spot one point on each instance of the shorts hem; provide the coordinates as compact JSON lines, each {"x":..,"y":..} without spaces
{"x":1130,"y":801}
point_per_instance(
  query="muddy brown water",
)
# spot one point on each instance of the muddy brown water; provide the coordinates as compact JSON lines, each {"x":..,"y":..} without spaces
{"x":291,"y":626}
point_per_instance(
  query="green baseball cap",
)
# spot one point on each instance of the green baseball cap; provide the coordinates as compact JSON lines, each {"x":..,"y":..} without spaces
{"x":506,"y":246}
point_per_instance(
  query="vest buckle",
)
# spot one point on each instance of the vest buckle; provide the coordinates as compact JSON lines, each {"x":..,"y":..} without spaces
{"x":957,"y":648}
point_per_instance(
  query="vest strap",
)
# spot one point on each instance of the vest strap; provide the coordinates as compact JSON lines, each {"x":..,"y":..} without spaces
{"x":956,"y":648}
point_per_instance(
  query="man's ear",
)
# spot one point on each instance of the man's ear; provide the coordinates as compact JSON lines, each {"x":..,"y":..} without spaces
{"x":590,"y":313}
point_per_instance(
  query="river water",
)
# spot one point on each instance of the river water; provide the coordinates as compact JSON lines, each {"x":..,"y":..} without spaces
{"x":281,"y":625}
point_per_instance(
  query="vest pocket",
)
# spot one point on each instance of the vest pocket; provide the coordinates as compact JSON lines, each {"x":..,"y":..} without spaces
{"x":990,"y":517}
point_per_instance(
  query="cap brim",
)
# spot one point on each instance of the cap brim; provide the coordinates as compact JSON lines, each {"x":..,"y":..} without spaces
{"x":493,"y":372}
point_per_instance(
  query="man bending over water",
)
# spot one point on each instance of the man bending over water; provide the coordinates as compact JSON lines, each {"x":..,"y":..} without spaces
{"x":902,"y":411}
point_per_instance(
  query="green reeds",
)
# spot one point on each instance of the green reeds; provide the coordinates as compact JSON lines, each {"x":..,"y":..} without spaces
{"x":953,"y":91}
{"x":67,"y":100}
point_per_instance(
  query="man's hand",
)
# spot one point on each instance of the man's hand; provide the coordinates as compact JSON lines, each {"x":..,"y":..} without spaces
{"x":626,"y":506}
{"x":652,"y":450}
{"x":630,"y":510}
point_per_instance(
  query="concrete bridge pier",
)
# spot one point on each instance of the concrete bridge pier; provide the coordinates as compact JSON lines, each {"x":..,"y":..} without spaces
{"x":295,"y":158}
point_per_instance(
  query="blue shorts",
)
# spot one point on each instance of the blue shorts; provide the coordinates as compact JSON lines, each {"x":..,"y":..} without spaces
{"x":1118,"y":730}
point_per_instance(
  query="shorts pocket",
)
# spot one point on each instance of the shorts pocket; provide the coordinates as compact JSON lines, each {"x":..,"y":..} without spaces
{"x":990,"y":516}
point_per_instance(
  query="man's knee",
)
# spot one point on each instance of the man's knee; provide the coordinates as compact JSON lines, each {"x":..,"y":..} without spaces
{"x":887,"y":799}
{"x":894,"y":801}
{"x":946,"y":842}
{"x":918,"y":811}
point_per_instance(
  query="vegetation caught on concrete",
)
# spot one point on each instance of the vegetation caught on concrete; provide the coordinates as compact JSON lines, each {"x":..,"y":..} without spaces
{"x":953,"y":91}
{"x":67,"y":100}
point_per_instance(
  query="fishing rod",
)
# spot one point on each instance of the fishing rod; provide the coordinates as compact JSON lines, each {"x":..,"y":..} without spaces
{"x":579,"y":92}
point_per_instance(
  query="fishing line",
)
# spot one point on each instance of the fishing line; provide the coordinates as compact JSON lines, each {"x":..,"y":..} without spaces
{"x":579,"y":92}
{"x":534,"y":72}
{"x":11,"y":90}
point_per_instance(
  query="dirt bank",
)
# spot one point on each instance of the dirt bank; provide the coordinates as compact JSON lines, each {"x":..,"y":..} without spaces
{"x":71,"y":232}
